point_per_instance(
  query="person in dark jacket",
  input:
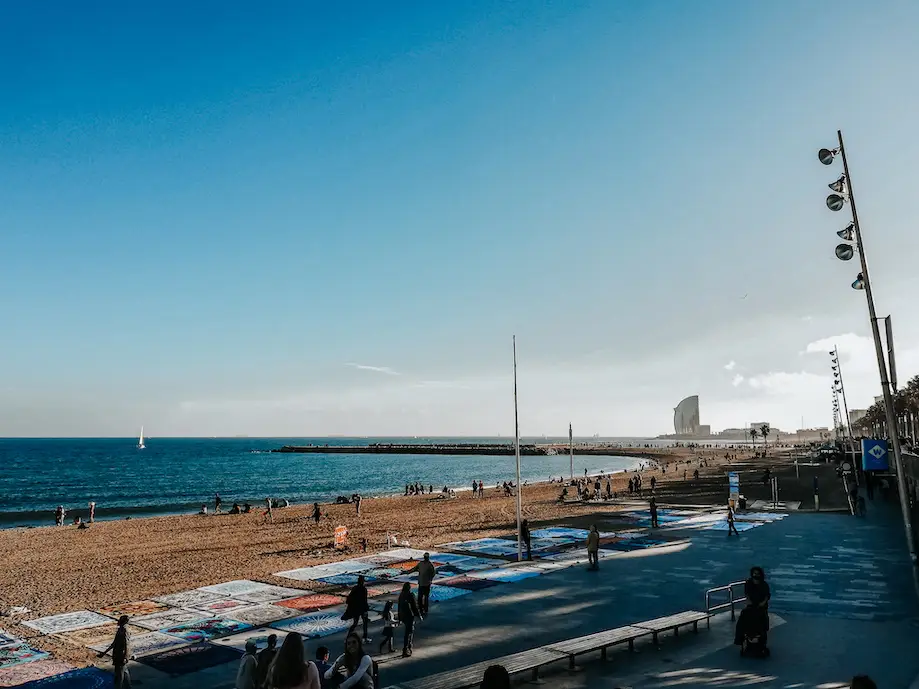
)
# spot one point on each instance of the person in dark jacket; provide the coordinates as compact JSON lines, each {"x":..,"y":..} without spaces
{"x":264,"y":660}
{"x":525,"y":537}
{"x":357,"y":607}
{"x":408,"y":611}
{"x":754,"y":619}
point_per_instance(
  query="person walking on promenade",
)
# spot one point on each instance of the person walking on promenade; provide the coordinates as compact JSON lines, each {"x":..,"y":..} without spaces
{"x":121,"y":654}
{"x":593,"y":548}
{"x":217,"y":503}
{"x":525,"y":537}
{"x":653,"y":507}
{"x":357,"y":607}
{"x":731,"y":527}
{"x":426,"y":572}
{"x":389,"y":625}
{"x":408,"y":611}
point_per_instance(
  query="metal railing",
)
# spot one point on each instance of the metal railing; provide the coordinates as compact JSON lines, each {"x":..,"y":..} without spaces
{"x":730,"y":603}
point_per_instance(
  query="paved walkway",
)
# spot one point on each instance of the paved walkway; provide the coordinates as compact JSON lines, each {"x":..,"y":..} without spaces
{"x":841,"y":590}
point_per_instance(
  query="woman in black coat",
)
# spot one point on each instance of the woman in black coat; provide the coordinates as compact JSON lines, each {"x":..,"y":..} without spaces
{"x":408,"y":611}
{"x":357,"y":607}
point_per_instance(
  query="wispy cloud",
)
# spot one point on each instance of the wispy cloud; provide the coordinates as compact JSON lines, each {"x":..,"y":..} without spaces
{"x":737,"y":380}
{"x":376,"y":369}
{"x":730,"y":365}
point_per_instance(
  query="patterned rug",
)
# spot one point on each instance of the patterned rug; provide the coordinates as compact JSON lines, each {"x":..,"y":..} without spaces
{"x":316,"y":601}
{"x":508,"y":575}
{"x":205,"y":630}
{"x":171,"y":618}
{"x":97,"y":635}
{"x":6,"y":637}
{"x":136,"y":609}
{"x":17,"y":675}
{"x":189,"y":599}
{"x":233,"y":588}
{"x":19,"y":652}
{"x":68,"y":622}
{"x":439,"y":593}
{"x":259,"y":615}
{"x":315,"y":625}
{"x":147,"y":644}
{"x":379,"y":560}
{"x":345,"y":579}
{"x":271,"y":594}
{"x":181,"y":661}
{"x":384,"y":572}
{"x":224,"y":606}
{"x":87,"y":678}
{"x":469,"y":583}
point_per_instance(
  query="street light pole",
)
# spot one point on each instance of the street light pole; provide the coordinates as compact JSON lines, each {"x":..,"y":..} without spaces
{"x":882,"y":369}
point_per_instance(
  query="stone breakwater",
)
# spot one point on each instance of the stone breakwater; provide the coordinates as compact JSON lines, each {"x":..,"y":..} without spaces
{"x":496,"y":449}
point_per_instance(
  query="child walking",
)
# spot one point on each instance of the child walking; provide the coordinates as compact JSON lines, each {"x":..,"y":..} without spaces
{"x":389,"y":622}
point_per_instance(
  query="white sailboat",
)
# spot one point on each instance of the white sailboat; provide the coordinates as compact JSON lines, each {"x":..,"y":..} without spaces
{"x":140,"y":441}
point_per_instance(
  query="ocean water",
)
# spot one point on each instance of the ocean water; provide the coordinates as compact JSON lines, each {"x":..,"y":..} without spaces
{"x":177,"y":475}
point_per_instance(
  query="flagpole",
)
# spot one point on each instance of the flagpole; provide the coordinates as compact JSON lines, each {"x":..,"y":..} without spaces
{"x":517,"y":455}
{"x":571,"y":450}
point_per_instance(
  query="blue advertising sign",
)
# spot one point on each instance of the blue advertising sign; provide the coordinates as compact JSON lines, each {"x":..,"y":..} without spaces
{"x":874,"y":455}
{"x":734,"y":484}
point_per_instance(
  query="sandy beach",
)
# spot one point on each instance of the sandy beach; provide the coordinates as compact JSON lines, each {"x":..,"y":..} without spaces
{"x":55,"y":570}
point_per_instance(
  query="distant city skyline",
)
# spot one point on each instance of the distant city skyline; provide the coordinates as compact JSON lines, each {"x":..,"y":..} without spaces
{"x":319,"y":220}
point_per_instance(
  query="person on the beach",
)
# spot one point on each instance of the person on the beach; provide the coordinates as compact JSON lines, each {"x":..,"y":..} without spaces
{"x":653,"y":483}
{"x":496,"y":677}
{"x":695,"y":474}
{"x":731,"y":527}
{"x":121,"y":654}
{"x":354,"y":664}
{"x":653,"y":507}
{"x":317,"y":513}
{"x":268,"y":515}
{"x":290,"y":669}
{"x":59,"y":515}
{"x":631,"y":487}
{"x":475,"y":489}
{"x":247,"y":508}
{"x":609,"y":490}
{"x":593,"y":548}
{"x":247,"y":674}
{"x":236,"y":509}
{"x":357,"y":504}
{"x":389,"y":624}
{"x":92,"y":512}
{"x":525,"y":537}
{"x":357,"y":608}
{"x":264,"y":660}
{"x":203,"y":511}
{"x":217,"y":503}
{"x":426,"y":573}
{"x":408,"y":611}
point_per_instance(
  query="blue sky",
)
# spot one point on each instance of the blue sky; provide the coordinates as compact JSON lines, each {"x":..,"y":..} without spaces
{"x":224,"y":218}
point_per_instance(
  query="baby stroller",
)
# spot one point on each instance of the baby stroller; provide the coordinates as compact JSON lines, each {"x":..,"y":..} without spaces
{"x":752,"y":632}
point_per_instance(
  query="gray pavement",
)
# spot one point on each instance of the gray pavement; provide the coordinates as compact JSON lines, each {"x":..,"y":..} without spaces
{"x":842,"y":596}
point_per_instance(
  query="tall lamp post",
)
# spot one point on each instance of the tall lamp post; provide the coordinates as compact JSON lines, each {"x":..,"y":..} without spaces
{"x":843,"y":193}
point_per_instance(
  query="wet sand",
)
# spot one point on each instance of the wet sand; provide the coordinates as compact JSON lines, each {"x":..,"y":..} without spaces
{"x":54,"y":570}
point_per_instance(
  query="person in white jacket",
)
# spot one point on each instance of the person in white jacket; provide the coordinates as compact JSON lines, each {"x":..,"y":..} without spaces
{"x":356,"y":665}
{"x":245,"y":676}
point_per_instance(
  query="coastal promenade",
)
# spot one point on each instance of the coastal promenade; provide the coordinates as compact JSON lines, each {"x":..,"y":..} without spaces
{"x":842,"y":604}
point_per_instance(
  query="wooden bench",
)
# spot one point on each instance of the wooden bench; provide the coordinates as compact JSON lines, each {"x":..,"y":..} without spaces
{"x":600,"y":640}
{"x":674,"y":622}
{"x":471,"y":675}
